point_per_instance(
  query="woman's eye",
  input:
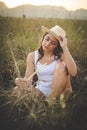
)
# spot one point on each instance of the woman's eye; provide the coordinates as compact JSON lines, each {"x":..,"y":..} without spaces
{"x":47,"y":39}
{"x":53,"y":43}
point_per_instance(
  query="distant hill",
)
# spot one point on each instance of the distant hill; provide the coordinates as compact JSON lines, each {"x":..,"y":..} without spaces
{"x":31,"y":11}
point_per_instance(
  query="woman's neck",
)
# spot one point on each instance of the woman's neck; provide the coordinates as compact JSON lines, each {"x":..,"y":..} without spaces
{"x":48,"y":54}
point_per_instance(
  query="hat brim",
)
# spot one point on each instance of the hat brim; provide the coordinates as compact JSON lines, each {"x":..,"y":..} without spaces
{"x":45,"y":29}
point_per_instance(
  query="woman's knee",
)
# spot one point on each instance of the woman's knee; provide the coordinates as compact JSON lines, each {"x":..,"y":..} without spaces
{"x":61,"y":68}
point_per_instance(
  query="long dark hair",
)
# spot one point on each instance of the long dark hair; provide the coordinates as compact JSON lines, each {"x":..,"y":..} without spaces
{"x":57,"y":51}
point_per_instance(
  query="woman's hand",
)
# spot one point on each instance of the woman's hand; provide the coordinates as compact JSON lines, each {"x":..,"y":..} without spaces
{"x":63,"y":43}
{"x":21,"y":82}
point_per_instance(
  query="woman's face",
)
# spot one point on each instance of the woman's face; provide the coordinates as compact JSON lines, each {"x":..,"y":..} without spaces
{"x":49,"y":42}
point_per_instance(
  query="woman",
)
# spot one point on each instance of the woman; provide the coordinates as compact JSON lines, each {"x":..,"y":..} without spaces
{"x":54,"y":76}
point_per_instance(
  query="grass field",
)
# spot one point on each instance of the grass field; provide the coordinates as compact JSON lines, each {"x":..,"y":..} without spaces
{"x":23,"y":36}
{"x":18,"y":37}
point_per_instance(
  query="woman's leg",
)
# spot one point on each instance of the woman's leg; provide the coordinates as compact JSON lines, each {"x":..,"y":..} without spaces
{"x":60,"y":80}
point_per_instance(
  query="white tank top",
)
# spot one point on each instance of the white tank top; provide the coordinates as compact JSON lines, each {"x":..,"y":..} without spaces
{"x":45,"y":75}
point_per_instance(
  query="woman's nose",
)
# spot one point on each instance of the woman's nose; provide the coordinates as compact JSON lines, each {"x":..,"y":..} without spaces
{"x":48,"y":43}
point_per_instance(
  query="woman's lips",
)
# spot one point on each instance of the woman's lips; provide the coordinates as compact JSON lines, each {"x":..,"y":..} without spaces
{"x":46,"y":47}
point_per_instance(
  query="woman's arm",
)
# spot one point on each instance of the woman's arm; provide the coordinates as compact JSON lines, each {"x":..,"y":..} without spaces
{"x":29,"y":67}
{"x":68,"y":59}
{"x":29,"y":71}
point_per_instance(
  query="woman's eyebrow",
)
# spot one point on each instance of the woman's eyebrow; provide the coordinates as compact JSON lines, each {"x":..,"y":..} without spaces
{"x":51,"y":40}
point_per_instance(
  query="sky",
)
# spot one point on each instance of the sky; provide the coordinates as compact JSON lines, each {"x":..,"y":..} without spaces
{"x":68,"y":4}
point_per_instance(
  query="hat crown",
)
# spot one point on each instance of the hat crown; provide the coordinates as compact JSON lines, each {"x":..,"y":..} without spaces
{"x":58,"y":31}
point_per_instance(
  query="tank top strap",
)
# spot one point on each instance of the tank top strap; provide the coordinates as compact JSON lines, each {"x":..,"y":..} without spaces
{"x":35,"y":57}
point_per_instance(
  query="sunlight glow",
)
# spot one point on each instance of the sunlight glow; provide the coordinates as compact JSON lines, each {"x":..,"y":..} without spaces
{"x":68,"y":4}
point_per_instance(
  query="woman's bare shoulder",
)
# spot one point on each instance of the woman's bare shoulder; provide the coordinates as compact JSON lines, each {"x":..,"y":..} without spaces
{"x":30,"y":56}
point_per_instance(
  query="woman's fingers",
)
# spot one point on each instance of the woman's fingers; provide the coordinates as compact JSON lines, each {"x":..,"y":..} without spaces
{"x":21,"y":82}
{"x":63,"y":43}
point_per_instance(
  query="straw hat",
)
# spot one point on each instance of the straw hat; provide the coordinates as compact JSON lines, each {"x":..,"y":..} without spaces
{"x":56,"y":31}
